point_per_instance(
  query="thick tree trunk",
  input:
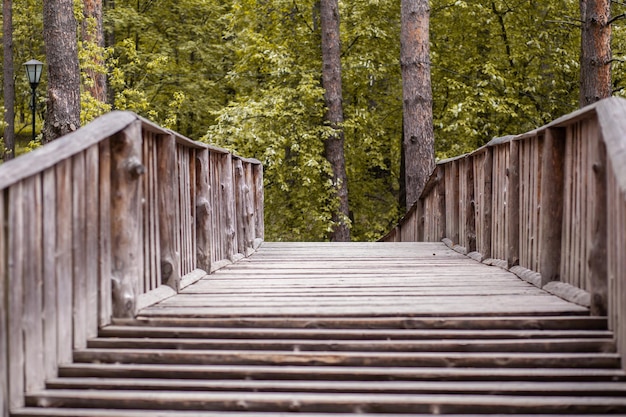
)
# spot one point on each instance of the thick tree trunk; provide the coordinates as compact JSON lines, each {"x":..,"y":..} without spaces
{"x":63,"y":106}
{"x":418,"y":137}
{"x":333,"y":145}
{"x":595,"y":56}
{"x":9,"y":81}
{"x":93,"y":33}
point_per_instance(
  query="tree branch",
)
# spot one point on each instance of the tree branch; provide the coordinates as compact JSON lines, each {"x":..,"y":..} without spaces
{"x":618,"y":17}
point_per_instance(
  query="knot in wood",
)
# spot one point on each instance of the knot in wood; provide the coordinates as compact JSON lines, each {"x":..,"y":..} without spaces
{"x":135,"y":167}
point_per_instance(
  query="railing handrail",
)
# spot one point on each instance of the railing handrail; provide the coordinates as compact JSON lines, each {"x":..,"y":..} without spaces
{"x":501,"y":203}
{"x":112,"y":217}
{"x":73,"y":143}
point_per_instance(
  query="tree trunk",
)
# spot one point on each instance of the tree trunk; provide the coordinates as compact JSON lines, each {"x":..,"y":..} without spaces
{"x":63,"y":106}
{"x":595,"y":56}
{"x":93,"y":33}
{"x":333,"y":145}
{"x":418,"y":137}
{"x":9,"y":81}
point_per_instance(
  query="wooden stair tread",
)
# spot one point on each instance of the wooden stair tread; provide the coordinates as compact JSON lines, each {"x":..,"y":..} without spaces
{"x":458,"y":345}
{"x":412,"y":387}
{"x":314,"y":402}
{"x":116,"y":370}
{"x":339,"y":334}
{"x":445,"y":359}
{"x":450,"y":322}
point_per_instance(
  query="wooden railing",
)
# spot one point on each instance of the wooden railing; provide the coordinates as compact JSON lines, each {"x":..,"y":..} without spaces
{"x":549,"y":205}
{"x":94,"y":225}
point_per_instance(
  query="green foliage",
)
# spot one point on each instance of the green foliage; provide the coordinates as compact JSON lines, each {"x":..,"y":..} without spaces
{"x":501,"y":67}
{"x":245,"y":74}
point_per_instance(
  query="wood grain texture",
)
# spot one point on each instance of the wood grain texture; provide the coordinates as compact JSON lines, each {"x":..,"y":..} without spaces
{"x":126,"y":168}
{"x":168,"y":201}
{"x":15,"y":304}
{"x":358,"y":279}
{"x":4,"y":315}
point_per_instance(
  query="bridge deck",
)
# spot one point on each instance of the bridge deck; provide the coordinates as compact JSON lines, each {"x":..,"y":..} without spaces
{"x":360,"y":328}
{"x":360,"y":279}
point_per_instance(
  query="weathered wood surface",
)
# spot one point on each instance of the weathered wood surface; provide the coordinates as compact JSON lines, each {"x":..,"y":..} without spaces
{"x":359,"y":279}
{"x":78,"y":215}
{"x":359,"y":328}
{"x":554,"y":209}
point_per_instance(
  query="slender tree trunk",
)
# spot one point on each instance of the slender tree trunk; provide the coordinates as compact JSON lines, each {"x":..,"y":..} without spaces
{"x":63,"y":106}
{"x":93,"y":33}
{"x":9,"y":81}
{"x":333,"y":145}
{"x":418,"y":137}
{"x":595,"y":56}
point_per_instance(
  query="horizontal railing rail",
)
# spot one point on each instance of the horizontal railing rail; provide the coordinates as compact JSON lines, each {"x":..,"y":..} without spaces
{"x":549,"y":205}
{"x":113,"y":217}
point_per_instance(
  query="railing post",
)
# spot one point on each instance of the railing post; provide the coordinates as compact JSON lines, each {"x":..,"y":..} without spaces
{"x":598,"y":254}
{"x":419,"y":219}
{"x":4,"y":334}
{"x":487,"y":204}
{"x":552,"y":187}
{"x":512,"y":205}
{"x":441,"y":190}
{"x":204,"y":215}
{"x":228,"y":205}
{"x":168,"y":192}
{"x":240,"y":205}
{"x":470,"y":206}
{"x":126,"y":168}
{"x":259,"y":224}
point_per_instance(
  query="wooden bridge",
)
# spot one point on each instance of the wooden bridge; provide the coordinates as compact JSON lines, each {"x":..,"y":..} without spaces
{"x":135,"y":282}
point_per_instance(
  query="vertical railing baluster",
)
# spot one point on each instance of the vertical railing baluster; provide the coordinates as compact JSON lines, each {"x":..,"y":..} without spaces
{"x":126,"y":168}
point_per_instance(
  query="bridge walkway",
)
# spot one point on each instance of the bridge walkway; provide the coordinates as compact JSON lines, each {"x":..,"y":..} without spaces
{"x":326,"y":329}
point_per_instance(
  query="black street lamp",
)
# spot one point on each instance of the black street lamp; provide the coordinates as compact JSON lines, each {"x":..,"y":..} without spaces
{"x":33,"y":72}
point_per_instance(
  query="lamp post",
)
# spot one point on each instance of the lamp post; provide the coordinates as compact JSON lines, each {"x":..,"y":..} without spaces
{"x":33,"y":72}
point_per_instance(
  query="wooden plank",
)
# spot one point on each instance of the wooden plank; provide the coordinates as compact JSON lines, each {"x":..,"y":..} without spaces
{"x":347,"y":403}
{"x":168,"y":192}
{"x":15,"y":305}
{"x":155,"y":249}
{"x":552,"y":205}
{"x":204,"y":212}
{"x":33,"y":283}
{"x":126,"y":168}
{"x":92,"y":223}
{"x":227,"y":207}
{"x":104,"y":235}
{"x":574,"y":345}
{"x":259,"y":201}
{"x":240,"y":205}
{"x":339,"y":373}
{"x":64,"y":246}
{"x":597,"y":260}
{"x":408,"y":387}
{"x":4,"y":313}
{"x":470,"y":209}
{"x":591,"y":326}
{"x":513,"y":206}
{"x":49,"y":312}
{"x":79,"y":242}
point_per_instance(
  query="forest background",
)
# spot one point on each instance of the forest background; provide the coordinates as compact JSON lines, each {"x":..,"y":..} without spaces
{"x":246,"y":75}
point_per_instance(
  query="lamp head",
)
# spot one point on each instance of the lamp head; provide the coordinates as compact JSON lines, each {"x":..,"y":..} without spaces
{"x":33,"y":72}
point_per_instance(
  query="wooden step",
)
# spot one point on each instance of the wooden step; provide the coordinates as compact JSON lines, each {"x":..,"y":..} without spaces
{"x":339,"y":373}
{"x":527,"y":322}
{"x":344,"y":334}
{"x":316,"y":402}
{"x":570,"y":345}
{"x":603,"y":389}
{"x":92,"y":412}
{"x":426,"y":359}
